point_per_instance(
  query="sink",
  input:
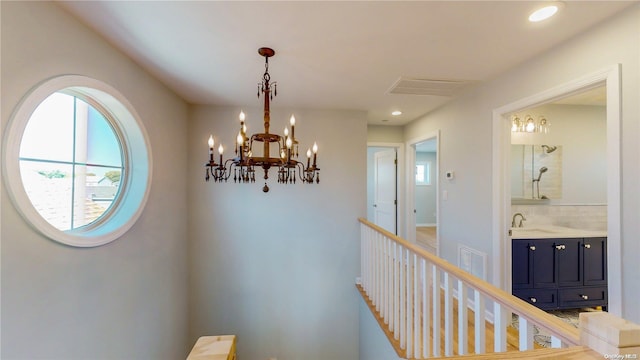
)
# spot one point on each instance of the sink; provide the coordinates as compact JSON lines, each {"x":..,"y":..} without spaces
{"x":551,"y":231}
{"x":536,"y":229}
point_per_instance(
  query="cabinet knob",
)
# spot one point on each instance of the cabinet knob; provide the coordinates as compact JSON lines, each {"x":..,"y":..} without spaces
{"x":584,"y":297}
{"x":532,"y":248}
{"x":587,"y":246}
{"x":533,"y":299}
{"x":560,"y":247}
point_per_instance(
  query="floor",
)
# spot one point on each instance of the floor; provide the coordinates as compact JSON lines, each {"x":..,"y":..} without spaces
{"x":426,"y":236}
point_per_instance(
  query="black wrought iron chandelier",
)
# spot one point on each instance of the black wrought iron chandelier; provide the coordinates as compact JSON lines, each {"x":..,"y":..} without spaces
{"x":243,"y":165}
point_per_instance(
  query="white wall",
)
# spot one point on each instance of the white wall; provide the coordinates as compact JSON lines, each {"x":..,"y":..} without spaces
{"x":466,"y":138}
{"x":279,"y":269}
{"x":124,"y":300}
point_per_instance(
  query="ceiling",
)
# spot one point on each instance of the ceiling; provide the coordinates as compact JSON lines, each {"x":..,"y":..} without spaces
{"x":332,"y":55}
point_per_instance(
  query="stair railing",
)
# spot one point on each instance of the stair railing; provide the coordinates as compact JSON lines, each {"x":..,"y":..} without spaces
{"x":405,"y":284}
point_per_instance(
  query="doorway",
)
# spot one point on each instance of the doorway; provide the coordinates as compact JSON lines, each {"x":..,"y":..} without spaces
{"x":608,"y":78}
{"x":422,"y":195}
{"x":426,"y":216}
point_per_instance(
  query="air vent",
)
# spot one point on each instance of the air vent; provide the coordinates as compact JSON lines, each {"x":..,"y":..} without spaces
{"x":406,"y":86}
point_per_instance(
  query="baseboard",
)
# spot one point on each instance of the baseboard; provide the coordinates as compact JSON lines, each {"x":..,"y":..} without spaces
{"x":426,"y":225}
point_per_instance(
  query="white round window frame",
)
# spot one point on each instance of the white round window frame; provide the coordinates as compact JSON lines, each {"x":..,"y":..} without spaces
{"x":134,"y":193}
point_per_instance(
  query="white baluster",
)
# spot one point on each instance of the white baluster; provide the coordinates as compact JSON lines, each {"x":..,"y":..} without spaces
{"x":426,"y":280}
{"x":365,"y":257}
{"x":479,"y":322}
{"x":525,"y":334}
{"x":409,"y":303}
{"x":416,"y":306}
{"x":499,"y":328}
{"x":378,"y":272}
{"x":396,"y":292}
{"x":387,"y":280}
{"x":435,"y":288}
{"x":463,"y":320}
{"x":403,"y":304}
{"x":448,"y":315}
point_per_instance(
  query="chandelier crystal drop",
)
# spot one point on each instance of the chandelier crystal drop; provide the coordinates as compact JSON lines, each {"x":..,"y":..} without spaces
{"x":243,"y":166}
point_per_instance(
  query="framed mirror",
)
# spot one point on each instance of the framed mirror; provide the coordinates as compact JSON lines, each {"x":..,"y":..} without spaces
{"x":536,"y":173}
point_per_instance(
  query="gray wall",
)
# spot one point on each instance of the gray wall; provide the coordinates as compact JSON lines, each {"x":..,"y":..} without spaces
{"x":278,"y":269}
{"x":374,"y":344}
{"x":466,"y":139}
{"x":124,"y":300}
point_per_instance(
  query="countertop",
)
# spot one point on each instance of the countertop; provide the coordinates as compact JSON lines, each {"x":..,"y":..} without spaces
{"x":554,"y":232}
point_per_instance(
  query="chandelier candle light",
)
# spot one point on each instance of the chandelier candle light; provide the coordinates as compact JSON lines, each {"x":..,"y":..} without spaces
{"x":243,"y":165}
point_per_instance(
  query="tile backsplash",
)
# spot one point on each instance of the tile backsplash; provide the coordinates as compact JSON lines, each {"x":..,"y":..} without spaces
{"x":588,"y":217}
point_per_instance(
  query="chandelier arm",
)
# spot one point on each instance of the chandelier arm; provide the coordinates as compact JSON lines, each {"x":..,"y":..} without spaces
{"x":301,"y":170}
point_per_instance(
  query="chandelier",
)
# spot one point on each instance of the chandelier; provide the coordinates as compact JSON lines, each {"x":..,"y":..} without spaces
{"x":243,"y":165}
{"x":529,"y":124}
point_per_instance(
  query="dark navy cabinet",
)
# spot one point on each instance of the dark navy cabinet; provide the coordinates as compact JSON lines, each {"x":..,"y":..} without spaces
{"x":560,"y":273}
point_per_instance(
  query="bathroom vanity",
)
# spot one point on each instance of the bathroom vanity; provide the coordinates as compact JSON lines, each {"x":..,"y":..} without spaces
{"x":559,"y":268}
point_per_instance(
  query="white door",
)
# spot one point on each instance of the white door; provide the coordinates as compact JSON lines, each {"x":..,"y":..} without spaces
{"x":384,"y":202}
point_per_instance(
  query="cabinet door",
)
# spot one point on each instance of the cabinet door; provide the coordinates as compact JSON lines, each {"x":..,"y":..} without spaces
{"x":521,"y":264}
{"x":544,"y":264}
{"x":595,"y":261}
{"x":569,"y":257}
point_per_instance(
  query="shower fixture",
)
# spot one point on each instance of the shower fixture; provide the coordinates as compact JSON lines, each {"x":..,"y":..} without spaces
{"x":537,"y":182}
{"x":549,"y":149}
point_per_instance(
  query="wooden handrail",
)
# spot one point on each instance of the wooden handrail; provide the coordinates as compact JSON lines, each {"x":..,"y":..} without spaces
{"x":568,"y":334}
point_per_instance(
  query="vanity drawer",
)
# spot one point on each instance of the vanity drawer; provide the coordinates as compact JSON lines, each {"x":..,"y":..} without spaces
{"x":542,"y":298}
{"x":584,"y":296}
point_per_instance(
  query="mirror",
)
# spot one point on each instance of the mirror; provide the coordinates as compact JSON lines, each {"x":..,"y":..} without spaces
{"x":536,"y":173}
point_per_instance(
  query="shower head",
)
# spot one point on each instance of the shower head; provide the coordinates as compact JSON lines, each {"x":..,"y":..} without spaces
{"x":549,"y":149}
{"x":542,"y":171}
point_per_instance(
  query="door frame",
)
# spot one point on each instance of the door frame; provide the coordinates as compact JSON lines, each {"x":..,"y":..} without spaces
{"x":410,"y":228}
{"x":399,"y":184}
{"x":501,"y":202}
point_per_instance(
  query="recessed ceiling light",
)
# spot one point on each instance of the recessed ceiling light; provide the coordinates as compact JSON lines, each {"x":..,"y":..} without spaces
{"x":544,"y":13}
{"x":396,"y":113}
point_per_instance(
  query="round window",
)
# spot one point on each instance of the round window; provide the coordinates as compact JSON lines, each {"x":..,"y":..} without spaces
{"x":77,"y":162}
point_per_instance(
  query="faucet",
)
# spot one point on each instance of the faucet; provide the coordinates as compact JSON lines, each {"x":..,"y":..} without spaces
{"x":513,"y":220}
